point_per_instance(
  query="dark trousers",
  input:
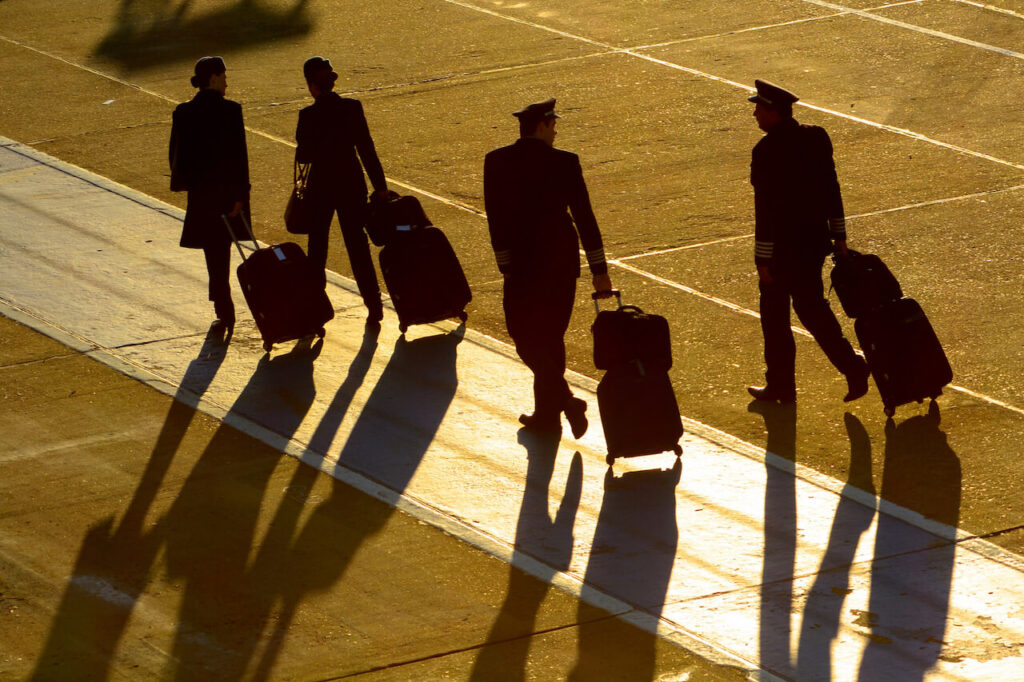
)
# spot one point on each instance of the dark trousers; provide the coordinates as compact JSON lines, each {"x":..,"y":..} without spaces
{"x":352,"y":218}
{"x":537,"y":313}
{"x":218,"y":267}
{"x":802,"y":286}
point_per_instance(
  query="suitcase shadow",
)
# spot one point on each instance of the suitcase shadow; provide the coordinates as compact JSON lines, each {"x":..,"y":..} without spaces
{"x":631,"y":558}
{"x":909,"y":603}
{"x":124,"y":553}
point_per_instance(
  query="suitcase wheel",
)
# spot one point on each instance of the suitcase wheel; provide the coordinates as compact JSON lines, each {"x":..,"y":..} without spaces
{"x":463,"y":316}
{"x":889,"y":410}
{"x":321,"y":332}
{"x":268,"y":346}
{"x":678,"y":449}
{"x":402,"y":327}
{"x":610,"y":458}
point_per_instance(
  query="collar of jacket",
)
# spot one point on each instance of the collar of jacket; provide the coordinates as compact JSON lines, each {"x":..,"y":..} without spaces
{"x":784,"y":126}
{"x":532,"y":140}
{"x":209,"y":93}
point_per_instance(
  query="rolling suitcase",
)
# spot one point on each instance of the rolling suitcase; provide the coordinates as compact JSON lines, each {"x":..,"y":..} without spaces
{"x":639,"y":413}
{"x":629,"y":335}
{"x":385,"y":217}
{"x":903,"y":353}
{"x":424,"y":277}
{"x":863,"y":283}
{"x":283,"y":295}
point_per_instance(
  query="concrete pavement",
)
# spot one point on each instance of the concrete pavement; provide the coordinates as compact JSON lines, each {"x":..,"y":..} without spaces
{"x":837,"y":584}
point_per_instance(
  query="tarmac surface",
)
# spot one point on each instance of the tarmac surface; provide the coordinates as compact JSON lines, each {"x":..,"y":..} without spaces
{"x":920,"y":100}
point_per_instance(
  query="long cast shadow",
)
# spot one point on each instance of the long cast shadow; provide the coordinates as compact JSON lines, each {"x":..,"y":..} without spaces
{"x":538,"y":536}
{"x":823,"y":611}
{"x":211,"y":527}
{"x":910,"y":595}
{"x":387,"y":443}
{"x":631,"y":558}
{"x":147,"y":33}
{"x":116,"y":560}
{"x":775,"y":627}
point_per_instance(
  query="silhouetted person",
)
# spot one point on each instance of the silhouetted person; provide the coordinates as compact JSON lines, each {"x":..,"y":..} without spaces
{"x":530,"y":188}
{"x":799,"y":215}
{"x":330,"y":133}
{"x":209,"y":160}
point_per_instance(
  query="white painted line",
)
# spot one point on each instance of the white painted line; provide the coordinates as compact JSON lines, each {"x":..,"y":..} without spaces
{"x":469,"y":462}
{"x":991,"y":8}
{"x":919,"y":29}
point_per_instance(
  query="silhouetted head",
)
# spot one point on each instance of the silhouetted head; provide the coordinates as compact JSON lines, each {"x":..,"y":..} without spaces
{"x":773,"y":104}
{"x":538,"y":120}
{"x":320,"y":75}
{"x":210,"y":72}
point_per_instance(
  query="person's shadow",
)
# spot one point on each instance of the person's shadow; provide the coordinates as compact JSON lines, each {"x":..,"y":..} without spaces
{"x":910,"y":594}
{"x":147,"y":33}
{"x":540,"y":537}
{"x":823,"y":611}
{"x":120,"y":556}
{"x":631,"y":558}
{"x":780,"y":539}
{"x":395,"y":429}
{"x":211,"y":527}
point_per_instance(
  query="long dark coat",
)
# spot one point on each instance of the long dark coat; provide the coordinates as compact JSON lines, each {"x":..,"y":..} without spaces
{"x":330,"y":133}
{"x":529,"y":190}
{"x":209,"y":159}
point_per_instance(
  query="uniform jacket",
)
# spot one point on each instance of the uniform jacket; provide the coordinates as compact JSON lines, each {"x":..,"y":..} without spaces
{"x":330,"y":133}
{"x":530,"y":188}
{"x":208,"y":157}
{"x":798,"y":207}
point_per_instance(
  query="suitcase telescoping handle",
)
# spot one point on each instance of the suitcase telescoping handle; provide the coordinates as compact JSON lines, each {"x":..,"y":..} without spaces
{"x":234,"y":238}
{"x":598,"y":295}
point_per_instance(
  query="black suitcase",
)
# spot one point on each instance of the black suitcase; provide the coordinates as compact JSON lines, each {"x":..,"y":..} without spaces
{"x":863,"y":283}
{"x":639,"y":413}
{"x":424,"y":277}
{"x":385,"y":217}
{"x":629,"y":335}
{"x":283,"y":295}
{"x":904,"y":354}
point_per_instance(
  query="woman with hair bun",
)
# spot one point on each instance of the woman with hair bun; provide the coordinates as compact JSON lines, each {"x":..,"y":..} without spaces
{"x":210,"y":161}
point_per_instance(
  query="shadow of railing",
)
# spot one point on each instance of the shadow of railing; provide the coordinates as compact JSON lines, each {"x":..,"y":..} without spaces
{"x":147,"y":33}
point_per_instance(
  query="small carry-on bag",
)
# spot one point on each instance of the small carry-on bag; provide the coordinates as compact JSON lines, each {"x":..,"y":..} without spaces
{"x":863,"y":283}
{"x":638,"y":407}
{"x":629,"y":335}
{"x":639,"y":413}
{"x":283,"y":295}
{"x":424,"y":277}
{"x":903,"y":353}
{"x":385,"y":217}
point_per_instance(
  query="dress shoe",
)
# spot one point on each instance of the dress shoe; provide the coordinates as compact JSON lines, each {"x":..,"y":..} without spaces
{"x":575,"y":413}
{"x":770,"y":394}
{"x":540,"y":423}
{"x":857,"y":381}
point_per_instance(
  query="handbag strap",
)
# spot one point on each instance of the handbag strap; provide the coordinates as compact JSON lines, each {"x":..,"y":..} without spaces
{"x":300,"y":175}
